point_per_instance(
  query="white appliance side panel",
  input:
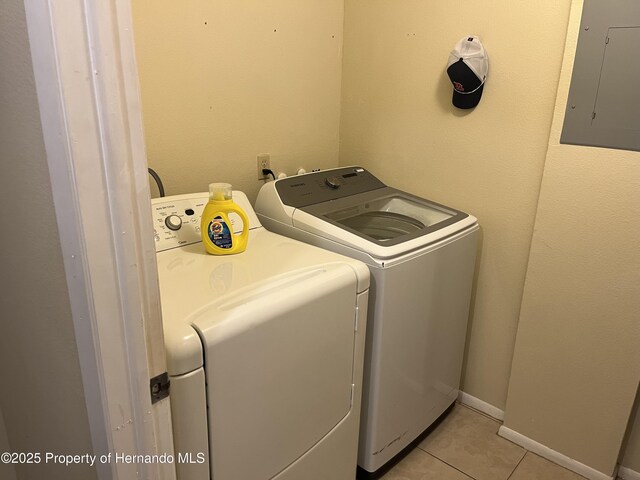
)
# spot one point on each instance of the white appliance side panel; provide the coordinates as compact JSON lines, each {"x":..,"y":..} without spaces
{"x":417,"y":337}
{"x":189,"y":419}
{"x":271,"y":206}
{"x":279,"y":373}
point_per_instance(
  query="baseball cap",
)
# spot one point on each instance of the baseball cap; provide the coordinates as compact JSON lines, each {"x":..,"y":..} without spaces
{"x":467,"y":68}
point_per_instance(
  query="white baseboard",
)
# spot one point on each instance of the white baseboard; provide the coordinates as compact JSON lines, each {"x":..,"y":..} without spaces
{"x":481,"y":406}
{"x":627,"y":474}
{"x":555,"y":457}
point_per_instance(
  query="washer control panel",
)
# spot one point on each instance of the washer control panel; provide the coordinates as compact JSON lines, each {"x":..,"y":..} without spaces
{"x":324,"y":186}
{"x":176,"y":220}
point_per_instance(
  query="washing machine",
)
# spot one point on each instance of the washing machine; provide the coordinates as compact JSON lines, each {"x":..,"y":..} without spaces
{"x":264,"y":351}
{"x":421,"y":256}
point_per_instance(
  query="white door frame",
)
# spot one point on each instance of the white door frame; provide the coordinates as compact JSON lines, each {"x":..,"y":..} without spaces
{"x":86,"y":79}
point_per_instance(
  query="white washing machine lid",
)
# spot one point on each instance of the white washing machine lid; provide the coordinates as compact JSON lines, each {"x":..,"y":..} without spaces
{"x":351,"y":207}
{"x":388,"y":217}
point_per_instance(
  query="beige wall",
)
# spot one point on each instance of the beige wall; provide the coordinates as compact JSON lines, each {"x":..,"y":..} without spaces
{"x":631,"y":455}
{"x":576,"y":365}
{"x":42,"y":396}
{"x":222,"y":82}
{"x":7,"y":471}
{"x":398,"y":121}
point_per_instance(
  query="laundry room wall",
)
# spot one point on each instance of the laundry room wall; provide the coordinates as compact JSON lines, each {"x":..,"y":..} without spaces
{"x":631,"y":455}
{"x":7,"y":471}
{"x":42,"y":398}
{"x":576,"y":366}
{"x":398,"y":121}
{"x":222,"y":82}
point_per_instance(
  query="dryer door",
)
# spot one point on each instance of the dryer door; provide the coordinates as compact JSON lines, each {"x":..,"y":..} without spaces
{"x":279,"y":361}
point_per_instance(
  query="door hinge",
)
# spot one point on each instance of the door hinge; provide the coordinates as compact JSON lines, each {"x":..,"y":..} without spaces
{"x":159,"y":387}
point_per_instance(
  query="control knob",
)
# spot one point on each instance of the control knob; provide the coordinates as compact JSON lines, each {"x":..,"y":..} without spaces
{"x":173,"y":222}
{"x":333,"y":182}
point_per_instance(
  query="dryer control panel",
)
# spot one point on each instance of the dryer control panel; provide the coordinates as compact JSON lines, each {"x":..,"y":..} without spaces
{"x":176,"y":220}
{"x":318,"y":187}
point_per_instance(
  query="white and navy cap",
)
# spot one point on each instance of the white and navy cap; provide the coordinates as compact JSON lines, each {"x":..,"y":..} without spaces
{"x":467,"y":68}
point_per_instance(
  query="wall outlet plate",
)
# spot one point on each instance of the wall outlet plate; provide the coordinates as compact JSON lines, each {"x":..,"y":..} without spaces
{"x":264,"y":161}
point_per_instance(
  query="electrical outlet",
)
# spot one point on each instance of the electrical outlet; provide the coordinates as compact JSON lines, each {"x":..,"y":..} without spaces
{"x":264,"y":161}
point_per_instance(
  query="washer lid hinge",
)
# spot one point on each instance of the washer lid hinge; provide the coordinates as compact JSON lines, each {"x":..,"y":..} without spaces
{"x":159,"y":387}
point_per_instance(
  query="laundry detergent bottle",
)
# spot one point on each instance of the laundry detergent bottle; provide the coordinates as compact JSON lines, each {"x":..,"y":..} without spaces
{"x":215,"y":226}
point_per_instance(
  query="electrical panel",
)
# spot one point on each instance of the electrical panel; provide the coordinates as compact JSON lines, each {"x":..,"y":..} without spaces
{"x":603,"y":108}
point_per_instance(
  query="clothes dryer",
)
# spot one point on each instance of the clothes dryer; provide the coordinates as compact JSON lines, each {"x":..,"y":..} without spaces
{"x":421,"y":255}
{"x":264,"y":349}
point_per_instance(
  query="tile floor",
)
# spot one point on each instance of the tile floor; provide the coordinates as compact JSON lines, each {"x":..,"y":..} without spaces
{"x":466,"y":446}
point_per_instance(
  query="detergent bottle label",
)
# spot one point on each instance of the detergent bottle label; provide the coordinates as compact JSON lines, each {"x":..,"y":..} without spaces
{"x":219,"y":233}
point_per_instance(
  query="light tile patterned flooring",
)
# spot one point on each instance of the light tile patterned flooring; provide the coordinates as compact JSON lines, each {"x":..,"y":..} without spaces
{"x":466,"y":446}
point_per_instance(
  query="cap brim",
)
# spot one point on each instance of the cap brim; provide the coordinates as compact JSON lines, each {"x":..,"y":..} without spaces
{"x":467,"y":100}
